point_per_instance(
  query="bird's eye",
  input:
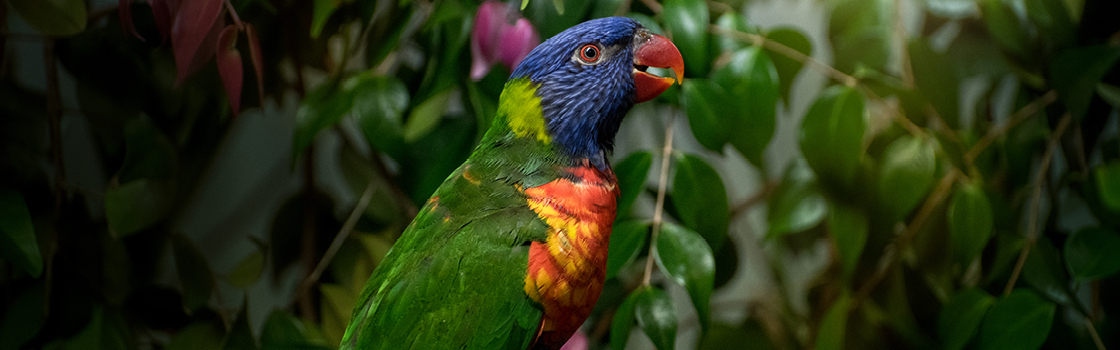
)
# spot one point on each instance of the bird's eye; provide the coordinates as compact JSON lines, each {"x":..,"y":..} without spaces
{"x":589,"y":53}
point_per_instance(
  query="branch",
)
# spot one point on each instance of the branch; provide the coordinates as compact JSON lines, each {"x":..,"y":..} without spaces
{"x":891,"y":256}
{"x":659,"y":209}
{"x":758,"y":197}
{"x":1036,"y":197}
{"x":347,"y":227}
{"x":1016,"y":118}
{"x":787,"y":51}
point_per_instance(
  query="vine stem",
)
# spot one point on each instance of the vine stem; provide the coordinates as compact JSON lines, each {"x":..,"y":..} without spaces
{"x":1016,"y":118}
{"x":1036,"y":197}
{"x":659,"y":209}
{"x":1093,"y":333}
{"x":343,"y":233}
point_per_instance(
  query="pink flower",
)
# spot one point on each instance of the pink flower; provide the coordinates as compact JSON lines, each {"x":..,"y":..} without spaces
{"x":500,"y":35}
{"x":578,"y":341}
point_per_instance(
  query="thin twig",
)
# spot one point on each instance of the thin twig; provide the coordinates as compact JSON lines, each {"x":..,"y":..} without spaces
{"x":347,"y":227}
{"x":1093,"y":333}
{"x":1036,"y":198}
{"x":758,"y":197}
{"x":894,"y":252}
{"x":236,"y":18}
{"x":787,"y":51}
{"x":653,"y":5}
{"x":659,"y":208}
{"x":1016,"y":118}
{"x":903,"y":52}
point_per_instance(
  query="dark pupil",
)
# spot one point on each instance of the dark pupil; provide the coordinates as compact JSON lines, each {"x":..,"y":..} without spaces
{"x":590,"y":52}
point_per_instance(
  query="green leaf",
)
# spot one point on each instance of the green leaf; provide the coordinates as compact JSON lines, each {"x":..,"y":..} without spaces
{"x":701,"y":199}
{"x":906,"y":175}
{"x":749,"y":113}
{"x":1108,"y":184}
{"x":282,"y":330}
{"x":705,"y":103}
{"x":426,"y":116}
{"x":849,"y":229}
{"x":834,"y":325}
{"x":548,"y":22}
{"x":379,"y":105}
{"x":683,"y":255}
{"x":23,"y":318}
{"x":195,"y":277}
{"x":335,"y":308}
{"x":17,"y":234}
{"x":149,"y":153}
{"x":1091,"y":253}
{"x":1019,"y":321}
{"x":248,"y":271}
{"x":623,"y":321}
{"x":1044,"y":270}
{"x":970,"y":223}
{"x":198,"y":335}
{"x":559,"y":4}
{"x":655,"y":315}
{"x":935,"y":77}
{"x":726,"y":43}
{"x":627,"y":239}
{"x":105,"y":330}
{"x":648,"y":22}
{"x":1003,"y":26}
{"x":832,"y":135}
{"x":787,"y":67}
{"x":797,"y":204}
{"x":320,"y":13}
{"x":1110,"y":93}
{"x":723,"y":337}
{"x":321,"y":109}
{"x":240,"y":336}
{"x":1075,"y":73}
{"x":631,"y":173}
{"x":53,"y":17}
{"x":960,"y":317}
{"x":138,"y":204}
{"x":688,"y":21}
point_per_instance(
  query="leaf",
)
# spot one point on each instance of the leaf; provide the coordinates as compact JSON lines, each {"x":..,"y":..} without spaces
{"x":335,"y":306}
{"x":1091,"y":253}
{"x":53,"y":17}
{"x":229,"y":66}
{"x":105,"y":331}
{"x":704,"y":101}
{"x":906,"y":175}
{"x":1108,"y":184}
{"x":834,"y":324}
{"x":1110,"y":93}
{"x":1003,"y":26}
{"x":17,"y":234}
{"x":195,"y":277}
{"x":248,"y":271}
{"x":832,"y":135}
{"x":198,"y":335}
{"x":970,"y":223}
{"x":960,"y":317}
{"x":687,"y":20}
{"x":1044,"y":270}
{"x":425,"y":116}
{"x":631,"y":173}
{"x":559,"y":4}
{"x":849,"y":229}
{"x":623,"y":320}
{"x":321,"y":108}
{"x":138,"y":204}
{"x":379,"y":104}
{"x":935,"y":77}
{"x":726,"y":43}
{"x":23,"y":318}
{"x":320,"y":13}
{"x":282,"y":330}
{"x":787,"y":67}
{"x":1075,"y":73}
{"x":161,"y":13}
{"x":751,"y":84}
{"x":1019,"y":321}
{"x":655,"y":315}
{"x":627,"y":239}
{"x":149,"y":153}
{"x":124,"y":12}
{"x":683,"y":255}
{"x":797,"y":204}
{"x":240,"y":336}
{"x":255,"y":58}
{"x":701,"y":199}
{"x":193,"y":34}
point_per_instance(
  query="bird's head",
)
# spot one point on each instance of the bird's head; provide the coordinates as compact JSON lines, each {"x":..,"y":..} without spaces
{"x":589,"y":76}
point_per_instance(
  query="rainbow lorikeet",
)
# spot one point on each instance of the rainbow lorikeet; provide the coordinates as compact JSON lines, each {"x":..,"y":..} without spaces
{"x":510,"y":251}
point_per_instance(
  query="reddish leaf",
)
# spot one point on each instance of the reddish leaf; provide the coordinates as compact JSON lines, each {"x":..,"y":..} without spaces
{"x":229,"y":66}
{"x":124,"y":10}
{"x":163,"y":11}
{"x":195,"y":23}
{"x":255,"y":56}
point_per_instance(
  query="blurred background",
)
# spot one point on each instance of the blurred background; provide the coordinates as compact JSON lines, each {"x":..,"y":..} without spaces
{"x":841,"y":174}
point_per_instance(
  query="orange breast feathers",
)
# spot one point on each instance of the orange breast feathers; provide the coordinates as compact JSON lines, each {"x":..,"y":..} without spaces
{"x":566,"y":271}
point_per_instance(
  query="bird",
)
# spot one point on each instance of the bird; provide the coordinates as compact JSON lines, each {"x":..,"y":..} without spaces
{"x":510,"y":251}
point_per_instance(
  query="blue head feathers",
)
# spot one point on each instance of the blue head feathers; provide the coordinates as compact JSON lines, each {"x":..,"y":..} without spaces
{"x":586,"y":83}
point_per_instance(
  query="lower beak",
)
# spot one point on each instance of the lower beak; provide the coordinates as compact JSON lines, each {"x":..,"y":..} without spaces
{"x":656,"y":51}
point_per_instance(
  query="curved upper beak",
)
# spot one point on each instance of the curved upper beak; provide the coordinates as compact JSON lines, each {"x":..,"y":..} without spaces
{"x":656,"y":51}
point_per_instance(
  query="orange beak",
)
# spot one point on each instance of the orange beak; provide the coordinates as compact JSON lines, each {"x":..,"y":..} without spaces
{"x":655,"y":52}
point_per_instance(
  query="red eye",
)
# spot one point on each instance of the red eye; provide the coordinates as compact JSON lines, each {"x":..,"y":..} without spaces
{"x":589,"y":53}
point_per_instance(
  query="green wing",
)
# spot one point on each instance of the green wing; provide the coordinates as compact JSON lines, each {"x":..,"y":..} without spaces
{"x":455,"y":278}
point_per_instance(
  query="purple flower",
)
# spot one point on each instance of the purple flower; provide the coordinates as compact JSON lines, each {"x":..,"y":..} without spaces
{"x":500,"y":35}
